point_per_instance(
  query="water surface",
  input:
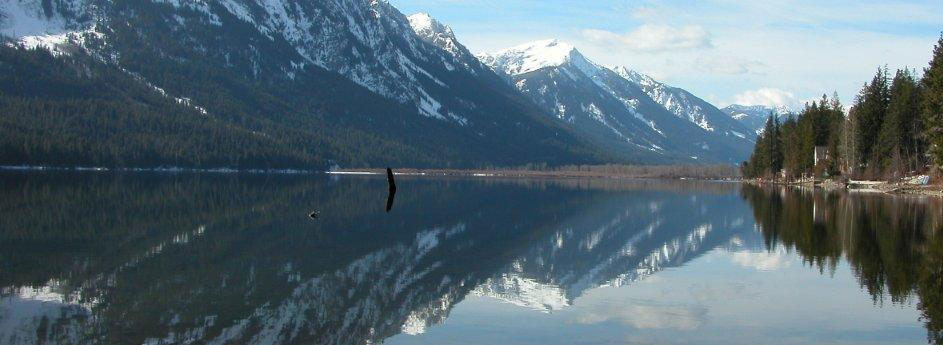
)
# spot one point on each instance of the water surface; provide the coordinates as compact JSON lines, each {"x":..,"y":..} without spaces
{"x":99,"y":258}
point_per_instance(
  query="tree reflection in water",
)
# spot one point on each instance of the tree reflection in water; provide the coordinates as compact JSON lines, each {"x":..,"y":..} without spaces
{"x":894,"y":244}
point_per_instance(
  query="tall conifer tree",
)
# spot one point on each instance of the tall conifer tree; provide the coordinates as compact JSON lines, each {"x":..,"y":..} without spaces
{"x":933,"y":104}
{"x":898,"y":140}
{"x":869,"y":113}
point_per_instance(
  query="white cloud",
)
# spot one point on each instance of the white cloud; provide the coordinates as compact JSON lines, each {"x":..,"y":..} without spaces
{"x":729,"y":65}
{"x":767,"y":96}
{"x":654,"y":38}
{"x":645,"y":316}
{"x":761,"y":261}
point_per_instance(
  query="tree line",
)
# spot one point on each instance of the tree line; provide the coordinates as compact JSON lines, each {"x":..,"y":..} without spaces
{"x":893,"y":129}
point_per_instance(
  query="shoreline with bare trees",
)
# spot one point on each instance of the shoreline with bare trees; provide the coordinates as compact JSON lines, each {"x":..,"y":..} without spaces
{"x":897,"y":187}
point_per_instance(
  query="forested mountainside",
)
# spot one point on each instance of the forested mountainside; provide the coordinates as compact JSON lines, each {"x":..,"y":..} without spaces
{"x":286,"y":84}
{"x":315,"y":85}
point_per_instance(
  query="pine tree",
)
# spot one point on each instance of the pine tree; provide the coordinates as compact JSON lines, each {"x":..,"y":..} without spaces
{"x":764,"y":158}
{"x":836,"y":128}
{"x":791,"y":152}
{"x":869,"y":112}
{"x":777,"y":145}
{"x":933,"y":104}
{"x":835,"y":103}
{"x":806,"y":139}
{"x":821,"y":118}
{"x":897,"y":142}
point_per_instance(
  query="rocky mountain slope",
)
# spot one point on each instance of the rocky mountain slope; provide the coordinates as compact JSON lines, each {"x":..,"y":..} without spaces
{"x":617,"y":111}
{"x":686,"y":105}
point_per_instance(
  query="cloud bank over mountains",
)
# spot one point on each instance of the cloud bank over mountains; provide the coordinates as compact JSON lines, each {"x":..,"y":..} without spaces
{"x":768,"y":96}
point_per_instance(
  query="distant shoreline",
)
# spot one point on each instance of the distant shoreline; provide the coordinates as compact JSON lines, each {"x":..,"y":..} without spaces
{"x":513,"y":173}
{"x":508,"y":173}
{"x":160,"y":170}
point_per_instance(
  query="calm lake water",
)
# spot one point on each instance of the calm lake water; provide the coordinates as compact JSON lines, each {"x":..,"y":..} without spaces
{"x":102,"y":258}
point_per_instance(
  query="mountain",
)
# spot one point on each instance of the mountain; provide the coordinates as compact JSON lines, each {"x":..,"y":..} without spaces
{"x":754,"y":116}
{"x":687,"y":106}
{"x":432,"y":31}
{"x":616,"y":112}
{"x":257,"y":84}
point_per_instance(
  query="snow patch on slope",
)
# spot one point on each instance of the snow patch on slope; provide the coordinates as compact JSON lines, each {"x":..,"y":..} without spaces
{"x":27,"y":18}
{"x":29,"y":25}
{"x":368,"y":41}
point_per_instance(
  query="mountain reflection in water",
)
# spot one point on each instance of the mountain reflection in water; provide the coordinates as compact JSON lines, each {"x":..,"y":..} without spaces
{"x":219,"y":259}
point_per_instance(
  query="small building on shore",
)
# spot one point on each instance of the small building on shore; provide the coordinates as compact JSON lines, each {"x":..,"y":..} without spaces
{"x":821,"y":154}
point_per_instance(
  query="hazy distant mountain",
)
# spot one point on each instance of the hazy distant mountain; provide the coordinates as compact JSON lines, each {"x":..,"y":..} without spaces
{"x":615,"y":111}
{"x":754,"y":116}
{"x":251,"y":83}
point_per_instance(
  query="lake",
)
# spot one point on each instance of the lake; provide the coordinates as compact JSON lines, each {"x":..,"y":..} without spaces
{"x":149,"y":258}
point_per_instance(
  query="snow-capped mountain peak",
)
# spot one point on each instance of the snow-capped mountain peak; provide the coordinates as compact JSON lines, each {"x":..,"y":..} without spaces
{"x":435,"y":32}
{"x":537,"y":55}
{"x":425,"y":25}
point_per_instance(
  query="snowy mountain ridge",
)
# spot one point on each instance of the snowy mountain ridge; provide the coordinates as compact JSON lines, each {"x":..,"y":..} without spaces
{"x":537,"y":55}
{"x":754,"y":116}
{"x":533,"y":56}
{"x":620,"y":108}
{"x":367,"y":41}
{"x":738,"y":111}
{"x":435,"y":32}
{"x":675,"y":100}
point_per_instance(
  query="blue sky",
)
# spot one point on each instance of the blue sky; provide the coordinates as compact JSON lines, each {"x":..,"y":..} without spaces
{"x":750,"y":52}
